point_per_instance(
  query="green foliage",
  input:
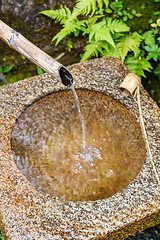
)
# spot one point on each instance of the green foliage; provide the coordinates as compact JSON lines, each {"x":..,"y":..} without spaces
{"x":157,"y":23}
{"x":104,"y":33}
{"x":116,"y":6}
{"x":149,"y":38}
{"x":3,"y":72}
{"x":1,"y":237}
{"x":152,"y":42}
{"x":119,"y":12}
{"x":116,"y":25}
{"x":103,"y":30}
{"x":93,"y":48}
{"x":153,"y":52}
{"x":108,"y":34}
{"x":6,"y":69}
{"x":88,"y":7}
{"x":128,"y":42}
{"x":69,"y":27}
{"x":111,"y":52}
{"x":40,"y":71}
{"x":138,"y":65}
{"x":157,"y":71}
{"x":61,"y":15}
{"x":69,"y":45}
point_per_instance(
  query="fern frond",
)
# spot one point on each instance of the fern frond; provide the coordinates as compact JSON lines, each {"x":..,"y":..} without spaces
{"x":92,"y":20}
{"x":89,"y":23}
{"x":138,"y":65}
{"x":115,"y":25}
{"x":86,"y":7}
{"x":59,"y":14}
{"x":106,"y":2}
{"x":111,"y":52}
{"x":101,"y":32}
{"x":69,"y":27}
{"x":93,"y":49}
{"x":129,"y":42}
{"x":100,"y":4}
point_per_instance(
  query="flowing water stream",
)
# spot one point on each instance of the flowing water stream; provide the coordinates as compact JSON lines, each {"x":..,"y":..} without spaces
{"x":80,"y":115}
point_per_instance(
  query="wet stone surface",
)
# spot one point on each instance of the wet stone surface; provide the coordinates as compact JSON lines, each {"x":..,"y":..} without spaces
{"x":47,"y":145}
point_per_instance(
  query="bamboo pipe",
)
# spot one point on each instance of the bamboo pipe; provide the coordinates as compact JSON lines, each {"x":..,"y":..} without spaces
{"x":16,"y":41}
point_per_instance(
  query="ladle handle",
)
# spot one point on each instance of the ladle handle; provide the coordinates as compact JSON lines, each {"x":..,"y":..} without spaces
{"x":16,"y":41}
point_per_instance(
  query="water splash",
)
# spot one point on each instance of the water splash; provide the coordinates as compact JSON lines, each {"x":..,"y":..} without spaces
{"x":80,"y":115}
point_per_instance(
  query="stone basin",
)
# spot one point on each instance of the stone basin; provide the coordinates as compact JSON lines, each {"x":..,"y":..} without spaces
{"x":29,"y":209}
{"x":47,"y":146}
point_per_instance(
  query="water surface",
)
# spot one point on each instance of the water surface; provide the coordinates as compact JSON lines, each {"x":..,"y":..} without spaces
{"x":47,"y":146}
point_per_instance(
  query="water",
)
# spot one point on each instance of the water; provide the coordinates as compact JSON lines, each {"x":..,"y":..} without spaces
{"x":80,"y":115}
{"x":47,"y":146}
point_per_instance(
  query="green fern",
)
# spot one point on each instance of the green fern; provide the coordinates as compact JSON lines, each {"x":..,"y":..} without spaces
{"x":111,"y":52}
{"x":129,"y":42}
{"x":92,"y":20}
{"x":69,"y":27}
{"x":115,"y":25}
{"x":99,"y":32}
{"x":138,"y":65}
{"x":102,"y":30}
{"x":61,"y":15}
{"x":86,"y":7}
{"x":89,"y":23}
{"x":106,"y":36}
{"x":92,"y":49}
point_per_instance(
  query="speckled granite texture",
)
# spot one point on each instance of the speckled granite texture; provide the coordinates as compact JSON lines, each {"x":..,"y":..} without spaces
{"x":27,"y":214}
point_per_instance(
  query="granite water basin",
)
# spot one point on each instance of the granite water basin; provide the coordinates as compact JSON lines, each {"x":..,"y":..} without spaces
{"x":27,"y":212}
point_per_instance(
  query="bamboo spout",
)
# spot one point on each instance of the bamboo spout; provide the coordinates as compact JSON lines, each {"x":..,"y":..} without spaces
{"x":16,"y":41}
